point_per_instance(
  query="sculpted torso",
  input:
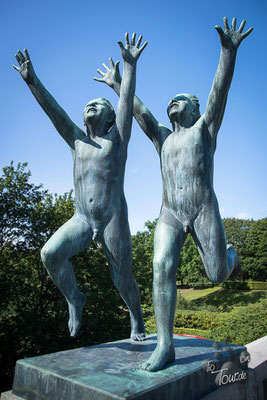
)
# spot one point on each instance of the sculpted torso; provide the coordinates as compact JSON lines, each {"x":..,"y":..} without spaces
{"x":187,"y":171}
{"x":99,"y":166}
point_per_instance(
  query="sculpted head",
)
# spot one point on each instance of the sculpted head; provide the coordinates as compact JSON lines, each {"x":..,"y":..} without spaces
{"x":184,"y":103}
{"x":99,"y":109}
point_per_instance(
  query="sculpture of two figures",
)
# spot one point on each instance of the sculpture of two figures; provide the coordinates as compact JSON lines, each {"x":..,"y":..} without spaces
{"x":189,"y":204}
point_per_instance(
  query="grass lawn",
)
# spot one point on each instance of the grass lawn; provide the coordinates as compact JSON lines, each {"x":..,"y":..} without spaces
{"x":193,"y":294}
{"x":221,"y":299}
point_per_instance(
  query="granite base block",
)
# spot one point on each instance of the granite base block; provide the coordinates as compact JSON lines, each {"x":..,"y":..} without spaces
{"x":237,"y":391}
{"x":111,"y":371}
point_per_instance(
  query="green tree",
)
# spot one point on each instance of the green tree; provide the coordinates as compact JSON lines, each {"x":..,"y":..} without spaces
{"x":143,"y":261}
{"x":18,"y":197}
{"x":191,"y":269}
{"x":237,"y":231}
{"x":255,"y":265}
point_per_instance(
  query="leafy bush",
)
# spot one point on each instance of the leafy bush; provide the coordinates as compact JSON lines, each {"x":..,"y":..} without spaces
{"x":202,"y":283}
{"x":195,"y":319}
{"x":150,"y":326}
{"x":188,"y":331}
{"x":242,"y":326}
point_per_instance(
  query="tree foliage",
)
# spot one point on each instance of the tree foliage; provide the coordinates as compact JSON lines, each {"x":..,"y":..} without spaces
{"x":143,"y":261}
{"x":236,"y":231}
{"x":255,"y":264}
{"x":249,"y":237}
{"x":190,"y":269}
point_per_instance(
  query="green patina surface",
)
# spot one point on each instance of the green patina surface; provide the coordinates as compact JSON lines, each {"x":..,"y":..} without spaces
{"x":112,"y":369}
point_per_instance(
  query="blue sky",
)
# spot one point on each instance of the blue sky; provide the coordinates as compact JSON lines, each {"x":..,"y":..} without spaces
{"x":68,"y":41}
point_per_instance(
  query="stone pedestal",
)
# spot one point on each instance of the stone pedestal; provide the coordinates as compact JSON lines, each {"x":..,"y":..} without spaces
{"x":111,"y":371}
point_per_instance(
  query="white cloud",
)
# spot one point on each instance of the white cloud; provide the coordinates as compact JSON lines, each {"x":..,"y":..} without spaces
{"x":242,"y":215}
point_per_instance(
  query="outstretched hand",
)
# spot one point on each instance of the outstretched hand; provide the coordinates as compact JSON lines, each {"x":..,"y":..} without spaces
{"x":131,"y":52}
{"x":230,"y":38}
{"x":112,"y":75}
{"x":26,"y":69}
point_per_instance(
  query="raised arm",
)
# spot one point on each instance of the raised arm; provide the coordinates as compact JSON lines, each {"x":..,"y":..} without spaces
{"x":230,"y":41}
{"x":130,"y":54}
{"x":63,"y":124}
{"x":147,"y":122}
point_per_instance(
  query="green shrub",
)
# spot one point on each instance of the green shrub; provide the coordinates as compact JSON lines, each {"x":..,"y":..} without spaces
{"x":243,"y":325}
{"x":195,"y":319}
{"x":202,"y":284}
{"x":240,"y":326}
{"x":257,"y":285}
{"x":150,"y":325}
{"x":187,"y":331}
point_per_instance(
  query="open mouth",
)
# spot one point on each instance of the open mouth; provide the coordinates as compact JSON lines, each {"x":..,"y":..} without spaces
{"x":91,"y":109}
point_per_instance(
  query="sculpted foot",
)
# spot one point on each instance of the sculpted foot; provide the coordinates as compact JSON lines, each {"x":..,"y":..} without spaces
{"x":138,"y":337}
{"x":161,"y":356}
{"x":75,"y":315}
{"x":138,"y":332}
{"x":233,"y":260}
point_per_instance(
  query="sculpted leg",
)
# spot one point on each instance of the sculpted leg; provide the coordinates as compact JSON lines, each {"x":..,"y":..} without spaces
{"x":68,"y":240}
{"x":168,"y":241}
{"x":118,"y":249}
{"x":219,"y":260}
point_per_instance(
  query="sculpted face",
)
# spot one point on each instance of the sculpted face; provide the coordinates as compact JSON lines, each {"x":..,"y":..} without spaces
{"x":185,"y":104}
{"x":98,"y":109}
{"x":179,"y":104}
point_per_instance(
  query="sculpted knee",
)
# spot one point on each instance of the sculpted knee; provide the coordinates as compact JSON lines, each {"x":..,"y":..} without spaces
{"x":163,"y":268}
{"x":218,"y":276}
{"x":125,"y":284}
{"x":157,"y":263}
{"x":48,"y":255}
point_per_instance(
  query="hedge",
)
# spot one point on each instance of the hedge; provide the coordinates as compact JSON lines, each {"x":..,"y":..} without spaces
{"x":204,"y":320}
{"x":187,"y":331}
{"x":240,"y":326}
